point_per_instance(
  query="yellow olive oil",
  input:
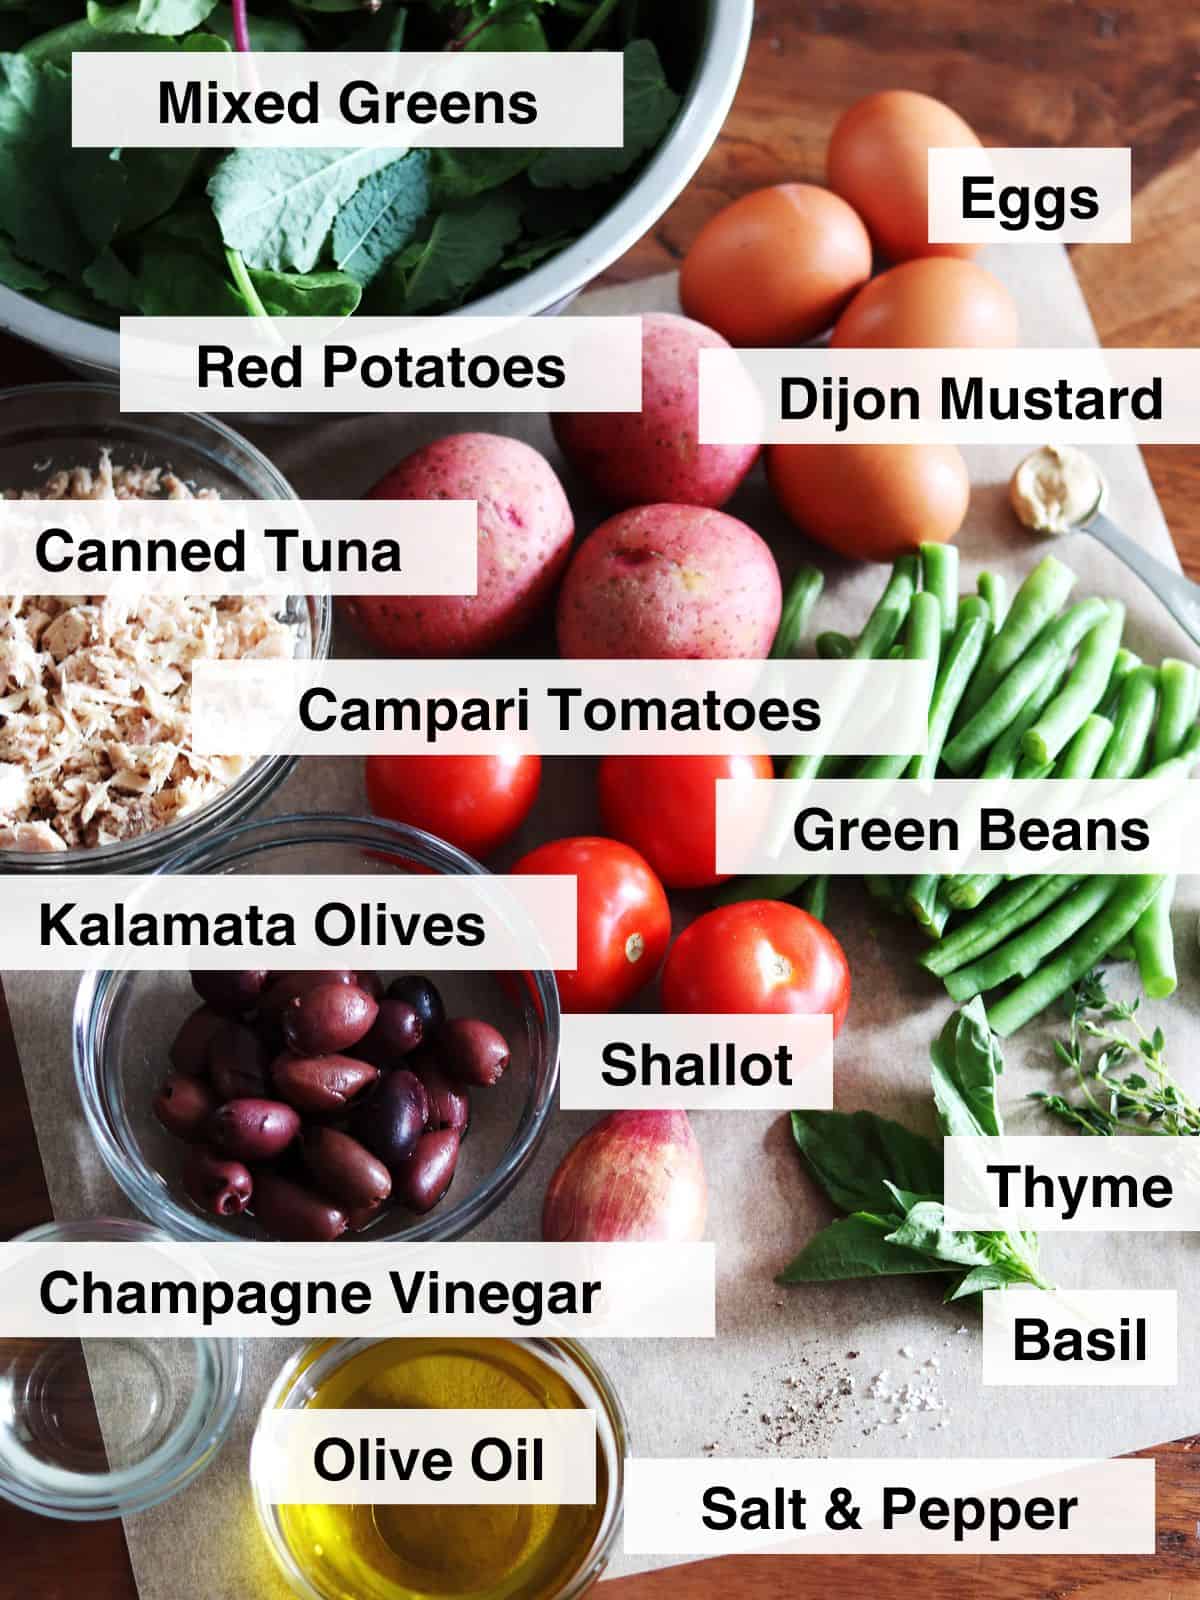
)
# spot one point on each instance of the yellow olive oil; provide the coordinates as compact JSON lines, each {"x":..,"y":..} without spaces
{"x":487,"y":1552}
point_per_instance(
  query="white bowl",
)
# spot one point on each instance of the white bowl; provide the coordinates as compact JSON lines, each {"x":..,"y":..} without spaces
{"x":720,"y":54}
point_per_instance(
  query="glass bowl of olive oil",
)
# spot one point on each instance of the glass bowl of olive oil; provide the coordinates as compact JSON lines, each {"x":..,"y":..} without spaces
{"x":451,"y":1552}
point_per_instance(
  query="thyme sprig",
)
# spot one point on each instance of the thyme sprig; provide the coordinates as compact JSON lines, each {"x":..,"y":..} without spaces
{"x":1105,"y":1034}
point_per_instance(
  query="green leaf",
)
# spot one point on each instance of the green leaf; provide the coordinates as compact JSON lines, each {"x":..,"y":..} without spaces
{"x":174,"y":281}
{"x":156,"y":179}
{"x":62,"y":204}
{"x":855,"y":1247}
{"x":266,"y":33}
{"x":310,"y":294}
{"x":518,"y":30}
{"x":383,"y":31}
{"x":924,"y":1229}
{"x":111,"y":281}
{"x":852,"y":1155}
{"x":462,"y":174}
{"x":56,"y":47}
{"x":993,"y":1276}
{"x":17,"y":274}
{"x":276,"y":207}
{"x":164,"y":18}
{"x":650,"y":107}
{"x":463,"y":246}
{"x":966,"y":1062}
{"x":381,"y":216}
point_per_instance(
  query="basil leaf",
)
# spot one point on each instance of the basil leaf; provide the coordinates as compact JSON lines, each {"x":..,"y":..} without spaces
{"x":993,"y":1276}
{"x":966,"y":1062}
{"x":276,"y":207}
{"x":924,"y":1229}
{"x":857,"y":1246}
{"x":650,"y":107}
{"x":851,"y":1155}
{"x":381,"y":216}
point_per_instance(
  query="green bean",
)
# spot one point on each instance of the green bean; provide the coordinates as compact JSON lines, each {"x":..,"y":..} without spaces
{"x":1011,"y":693}
{"x":1179,"y":683}
{"x":833,"y":646}
{"x":1112,"y":922}
{"x":816,"y":896}
{"x":886,"y":891}
{"x":1127,"y":661}
{"x":1083,"y":690}
{"x":939,"y":577}
{"x":922,"y":642}
{"x":993,"y":587}
{"x":1131,"y":730}
{"x":1154,"y":945}
{"x":1034,"y":607}
{"x":1002,"y":758}
{"x":890,"y":613}
{"x":967,"y":646}
{"x":1026,"y":950}
{"x":1021,"y":903}
{"x":803,"y":594}
{"x":1123,"y":950}
{"x":1079,"y":760}
{"x":766,"y":886}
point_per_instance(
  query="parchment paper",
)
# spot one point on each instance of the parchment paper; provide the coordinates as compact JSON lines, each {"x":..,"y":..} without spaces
{"x":684,"y":1398}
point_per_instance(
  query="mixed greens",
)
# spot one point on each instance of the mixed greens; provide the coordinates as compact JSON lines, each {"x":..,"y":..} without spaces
{"x":889,"y":1181}
{"x":1037,"y":689}
{"x":101,"y":233}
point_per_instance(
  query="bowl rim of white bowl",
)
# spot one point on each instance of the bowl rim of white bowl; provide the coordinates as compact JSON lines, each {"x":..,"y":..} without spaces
{"x":706,"y":102}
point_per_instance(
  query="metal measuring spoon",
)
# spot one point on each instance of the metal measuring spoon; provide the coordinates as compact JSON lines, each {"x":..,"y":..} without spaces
{"x":1059,"y":489}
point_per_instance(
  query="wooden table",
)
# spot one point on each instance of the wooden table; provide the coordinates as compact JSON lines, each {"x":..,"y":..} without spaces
{"x":1096,"y":72}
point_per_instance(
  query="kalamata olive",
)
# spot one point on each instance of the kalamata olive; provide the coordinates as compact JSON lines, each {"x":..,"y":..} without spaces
{"x":287,"y":985}
{"x":346,"y":1170}
{"x":362,"y":1216}
{"x":371,"y":982}
{"x":449,"y":1105}
{"x":423,"y":997}
{"x":254,"y":1129}
{"x":328,"y":1018}
{"x":391,"y":1121}
{"x":288,"y":1211}
{"x":472,"y":1051}
{"x":184,"y":1105}
{"x":189,"y":1048}
{"x":237,"y":1062}
{"x":321,"y":1085}
{"x":233,"y":994}
{"x":217,"y":1184}
{"x":395,"y":1034}
{"x":422,"y":1180}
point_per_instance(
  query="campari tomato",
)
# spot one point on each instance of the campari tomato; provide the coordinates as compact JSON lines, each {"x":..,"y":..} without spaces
{"x":474,"y":802}
{"x":758,"y":955}
{"x":624,"y":921}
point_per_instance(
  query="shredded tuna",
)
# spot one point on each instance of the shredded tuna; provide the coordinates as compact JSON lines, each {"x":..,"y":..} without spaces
{"x":95,"y":692}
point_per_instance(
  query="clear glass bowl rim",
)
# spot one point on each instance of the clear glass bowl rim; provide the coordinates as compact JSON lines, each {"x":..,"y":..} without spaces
{"x":160,"y":1476}
{"x":259,"y":781}
{"x":242,"y":843}
{"x":611,"y":1424}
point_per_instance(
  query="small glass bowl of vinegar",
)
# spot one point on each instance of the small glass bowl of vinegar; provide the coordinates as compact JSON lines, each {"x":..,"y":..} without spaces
{"x":390,"y":1552}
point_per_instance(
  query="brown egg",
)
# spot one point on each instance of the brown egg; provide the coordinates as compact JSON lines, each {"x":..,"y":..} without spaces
{"x":776,"y":266}
{"x":871,"y":502}
{"x":878,"y":161}
{"x":935,"y":304}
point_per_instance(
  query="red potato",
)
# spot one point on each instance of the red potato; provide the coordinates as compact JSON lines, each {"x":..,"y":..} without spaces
{"x":635,"y":457}
{"x":670,"y":582}
{"x":525,"y":533}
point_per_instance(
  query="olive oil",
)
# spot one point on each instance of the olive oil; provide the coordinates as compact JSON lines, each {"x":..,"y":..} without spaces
{"x":407,"y":1552}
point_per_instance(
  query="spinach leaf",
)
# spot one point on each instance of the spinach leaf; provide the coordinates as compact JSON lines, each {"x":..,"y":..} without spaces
{"x":311,"y":294}
{"x":383,"y":30}
{"x":462,"y":174}
{"x":650,"y":107}
{"x":174,"y":281}
{"x":851,"y":1156}
{"x":515,"y":30}
{"x":966,"y":1063}
{"x":276,"y":207}
{"x":381,"y":216}
{"x":441,"y":270}
{"x":111,"y":281}
{"x":157,"y":178}
{"x":858,"y":1246}
{"x":168,"y":18}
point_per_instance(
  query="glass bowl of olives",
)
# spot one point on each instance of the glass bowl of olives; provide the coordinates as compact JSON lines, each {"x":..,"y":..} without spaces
{"x":314,"y":1105}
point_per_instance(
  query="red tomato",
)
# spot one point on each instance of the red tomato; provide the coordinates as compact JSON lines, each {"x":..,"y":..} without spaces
{"x":624,"y":920}
{"x":758,"y":955}
{"x":666,"y":807}
{"x":474,"y":802}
